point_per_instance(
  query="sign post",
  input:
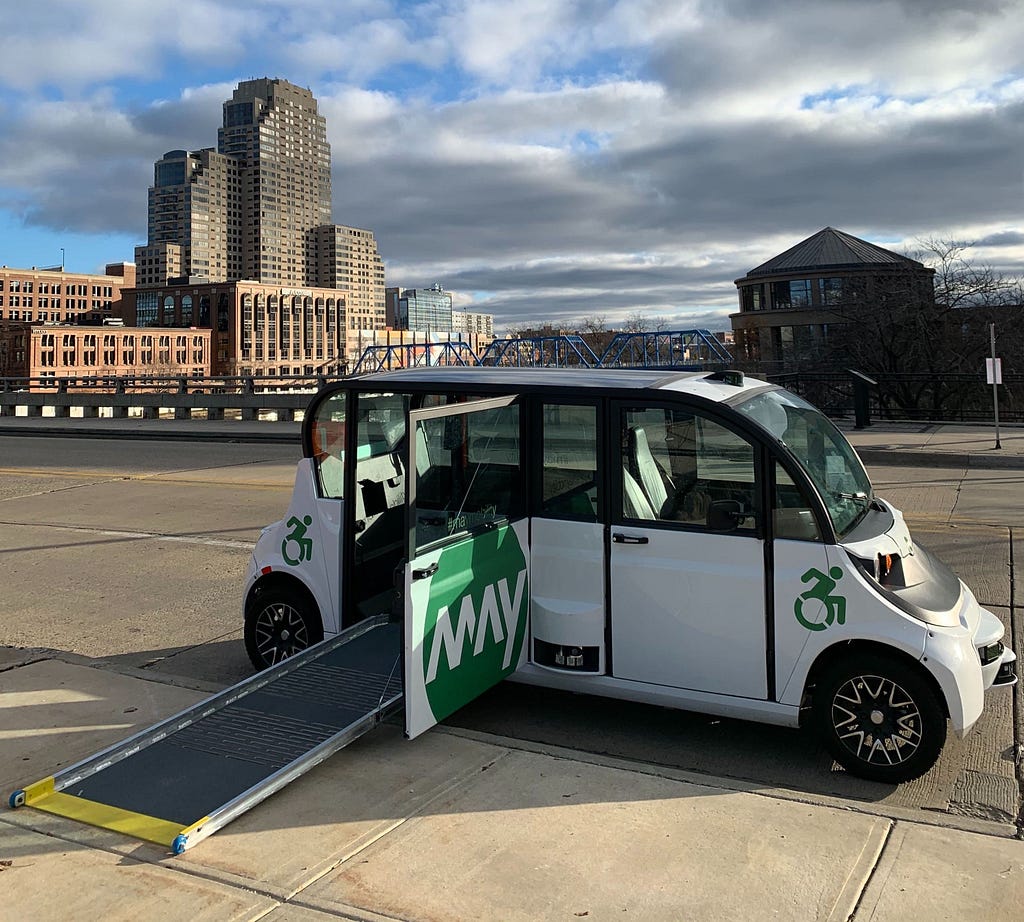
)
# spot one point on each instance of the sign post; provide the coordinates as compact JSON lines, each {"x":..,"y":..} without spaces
{"x":994,"y":376}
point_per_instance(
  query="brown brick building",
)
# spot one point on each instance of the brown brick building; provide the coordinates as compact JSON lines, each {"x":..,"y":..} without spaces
{"x":53,"y":296}
{"x":50,"y":351}
{"x":256,"y":329}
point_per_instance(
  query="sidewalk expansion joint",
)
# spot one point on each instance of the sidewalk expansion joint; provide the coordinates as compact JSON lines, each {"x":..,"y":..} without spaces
{"x":875,"y":862}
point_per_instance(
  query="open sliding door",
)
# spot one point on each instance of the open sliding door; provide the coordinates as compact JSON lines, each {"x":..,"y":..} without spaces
{"x":467,"y":576}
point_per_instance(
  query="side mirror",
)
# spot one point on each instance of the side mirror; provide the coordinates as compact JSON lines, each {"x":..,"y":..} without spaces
{"x":725,"y":515}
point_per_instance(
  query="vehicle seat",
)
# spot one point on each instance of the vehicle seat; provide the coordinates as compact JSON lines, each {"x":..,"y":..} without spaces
{"x":635,"y":504}
{"x":648,"y":471}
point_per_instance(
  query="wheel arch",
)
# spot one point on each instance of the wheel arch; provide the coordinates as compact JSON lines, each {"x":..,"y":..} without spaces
{"x":286,"y":582}
{"x":851,"y":648}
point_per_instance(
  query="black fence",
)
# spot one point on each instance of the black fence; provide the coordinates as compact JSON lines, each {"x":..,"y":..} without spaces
{"x":909,"y":397}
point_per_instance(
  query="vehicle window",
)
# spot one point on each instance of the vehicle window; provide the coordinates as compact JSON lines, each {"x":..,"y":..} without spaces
{"x":328,"y":435}
{"x":822,"y":451}
{"x":794,"y":517}
{"x":682,"y":467}
{"x":468,"y":473}
{"x":569,"y":473}
{"x":378,"y":517}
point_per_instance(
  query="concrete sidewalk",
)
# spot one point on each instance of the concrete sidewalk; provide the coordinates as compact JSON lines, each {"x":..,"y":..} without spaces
{"x":464,"y":826}
{"x":937,"y":444}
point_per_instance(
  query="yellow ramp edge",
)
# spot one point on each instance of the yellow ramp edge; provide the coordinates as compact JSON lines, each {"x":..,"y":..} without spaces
{"x":149,"y":828}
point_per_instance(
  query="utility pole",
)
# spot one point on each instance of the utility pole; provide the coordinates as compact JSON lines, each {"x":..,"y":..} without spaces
{"x":995,"y":377}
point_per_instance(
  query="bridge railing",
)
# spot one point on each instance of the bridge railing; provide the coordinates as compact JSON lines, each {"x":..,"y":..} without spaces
{"x":246,"y":395}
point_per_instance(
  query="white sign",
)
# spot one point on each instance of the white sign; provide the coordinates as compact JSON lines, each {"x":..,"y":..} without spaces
{"x":993,"y":371}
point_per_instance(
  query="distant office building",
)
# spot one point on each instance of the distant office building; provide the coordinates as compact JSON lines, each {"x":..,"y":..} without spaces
{"x":256,"y":329}
{"x":469,"y":322}
{"x":249,"y":208}
{"x":789,"y":304}
{"x":425,"y":309}
{"x":54,"y":296}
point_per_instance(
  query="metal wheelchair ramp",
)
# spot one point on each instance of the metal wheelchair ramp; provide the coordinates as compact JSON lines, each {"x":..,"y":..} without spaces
{"x":187,"y":776}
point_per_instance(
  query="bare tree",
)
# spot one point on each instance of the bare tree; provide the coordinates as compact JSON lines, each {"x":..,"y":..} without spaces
{"x":916,"y":329}
{"x":961,"y":282}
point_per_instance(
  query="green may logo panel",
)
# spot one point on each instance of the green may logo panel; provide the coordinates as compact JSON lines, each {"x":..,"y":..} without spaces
{"x":467,"y":625}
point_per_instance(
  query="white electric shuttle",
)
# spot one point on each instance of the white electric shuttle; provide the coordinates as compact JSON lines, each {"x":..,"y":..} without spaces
{"x":692,"y":540}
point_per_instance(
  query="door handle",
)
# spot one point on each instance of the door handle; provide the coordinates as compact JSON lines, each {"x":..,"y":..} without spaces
{"x":425,"y":572}
{"x":620,"y":538}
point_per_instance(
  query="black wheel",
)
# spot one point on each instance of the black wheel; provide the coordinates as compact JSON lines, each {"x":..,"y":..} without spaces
{"x":879,"y":718}
{"x":280,"y":622}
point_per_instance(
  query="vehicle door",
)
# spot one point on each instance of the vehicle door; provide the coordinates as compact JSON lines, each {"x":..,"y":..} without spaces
{"x":688,"y":564}
{"x":567,"y":540}
{"x":466,"y":580}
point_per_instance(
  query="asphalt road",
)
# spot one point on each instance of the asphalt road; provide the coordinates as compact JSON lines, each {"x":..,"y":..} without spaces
{"x":132,"y":554}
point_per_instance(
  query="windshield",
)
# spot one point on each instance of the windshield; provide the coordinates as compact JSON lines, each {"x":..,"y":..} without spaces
{"x":822,"y":451}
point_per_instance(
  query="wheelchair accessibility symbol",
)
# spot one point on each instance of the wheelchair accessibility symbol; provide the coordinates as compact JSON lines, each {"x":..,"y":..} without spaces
{"x":297,"y":536}
{"x":821,"y":591}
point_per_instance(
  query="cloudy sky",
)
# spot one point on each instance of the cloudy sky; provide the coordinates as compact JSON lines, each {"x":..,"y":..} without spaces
{"x":547,"y":160}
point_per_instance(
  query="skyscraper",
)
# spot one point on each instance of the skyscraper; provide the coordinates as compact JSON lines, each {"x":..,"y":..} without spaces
{"x":259,"y":206}
{"x":275,"y":133}
{"x":194,"y":204}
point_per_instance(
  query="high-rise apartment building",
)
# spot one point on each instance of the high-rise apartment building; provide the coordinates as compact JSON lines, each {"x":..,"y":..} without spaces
{"x":194,"y":205}
{"x":273,"y":130}
{"x":349,"y":256}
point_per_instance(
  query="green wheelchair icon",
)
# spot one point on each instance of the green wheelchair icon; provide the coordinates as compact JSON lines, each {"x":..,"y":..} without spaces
{"x":822,"y":591}
{"x":297,"y":536}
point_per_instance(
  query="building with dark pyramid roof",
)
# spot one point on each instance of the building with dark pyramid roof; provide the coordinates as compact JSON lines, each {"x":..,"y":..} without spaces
{"x":789,"y":303}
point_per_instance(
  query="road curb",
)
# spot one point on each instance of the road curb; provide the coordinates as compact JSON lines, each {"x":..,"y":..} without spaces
{"x":911,"y":457}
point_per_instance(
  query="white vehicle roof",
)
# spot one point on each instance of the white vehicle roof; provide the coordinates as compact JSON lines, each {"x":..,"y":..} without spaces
{"x":700,"y":383}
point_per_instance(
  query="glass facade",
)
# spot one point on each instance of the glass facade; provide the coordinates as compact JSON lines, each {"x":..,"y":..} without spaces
{"x":427,"y":309}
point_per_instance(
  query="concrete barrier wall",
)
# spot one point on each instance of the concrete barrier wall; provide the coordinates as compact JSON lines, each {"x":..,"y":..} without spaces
{"x":212,"y":406}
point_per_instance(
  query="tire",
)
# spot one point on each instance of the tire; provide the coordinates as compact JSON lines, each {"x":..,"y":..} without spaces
{"x":879,"y":718}
{"x":280,"y":622}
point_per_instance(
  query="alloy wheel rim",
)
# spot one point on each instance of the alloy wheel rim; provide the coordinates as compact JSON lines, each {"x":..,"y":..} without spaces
{"x":280,"y":632}
{"x":876,"y":720}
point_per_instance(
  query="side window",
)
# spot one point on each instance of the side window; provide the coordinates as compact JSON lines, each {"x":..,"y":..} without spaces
{"x":682,"y":467}
{"x":793,"y":516}
{"x":380,"y":476}
{"x":329,"y":445}
{"x":468,"y":473}
{"x":569,"y":471}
